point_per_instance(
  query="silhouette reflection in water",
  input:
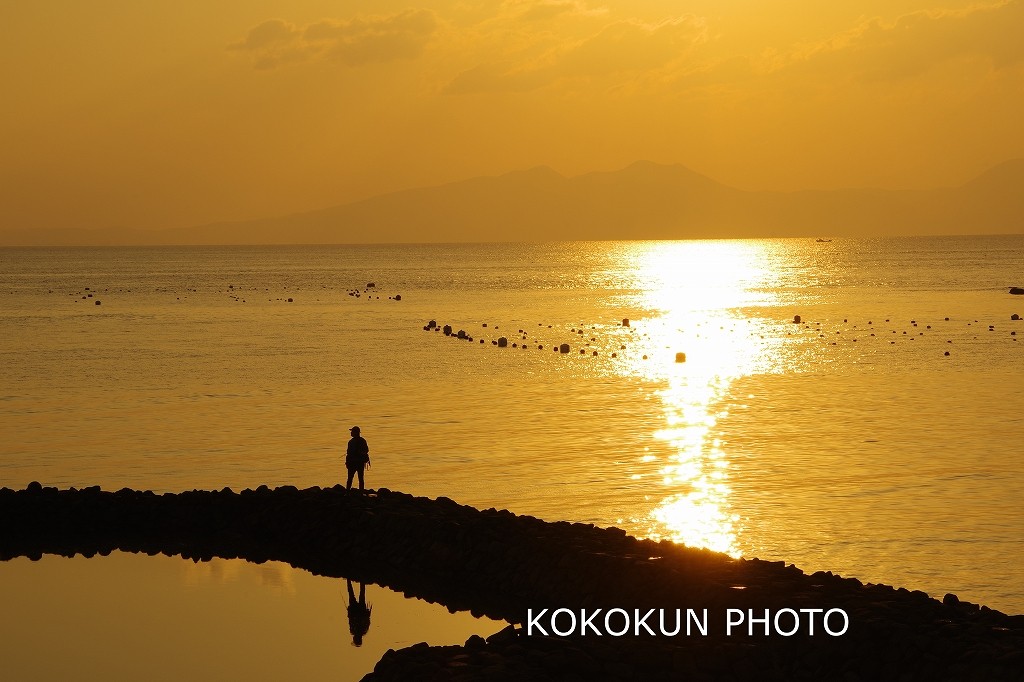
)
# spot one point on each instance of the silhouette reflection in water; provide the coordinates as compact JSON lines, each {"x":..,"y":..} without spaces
{"x":358,"y":614}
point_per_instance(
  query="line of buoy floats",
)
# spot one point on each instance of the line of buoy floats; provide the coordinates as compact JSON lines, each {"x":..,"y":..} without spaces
{"x":871,"y":329}
{"x":356,"y":293}
{"x":816,"y":328}
{"x":234,"y":292}
{"x":503,"y":341}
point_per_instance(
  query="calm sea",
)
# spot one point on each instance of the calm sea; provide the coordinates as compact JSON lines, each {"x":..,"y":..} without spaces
{"x":879,"y":437}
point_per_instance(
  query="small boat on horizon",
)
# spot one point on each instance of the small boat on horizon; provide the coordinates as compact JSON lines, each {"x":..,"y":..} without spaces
{"x":822,"y":241}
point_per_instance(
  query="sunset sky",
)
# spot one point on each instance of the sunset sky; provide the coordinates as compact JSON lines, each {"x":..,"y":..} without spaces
{"x":160,"y":114}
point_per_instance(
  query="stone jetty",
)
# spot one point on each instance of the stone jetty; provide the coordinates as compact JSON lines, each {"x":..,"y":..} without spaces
{"x":522,"y":570}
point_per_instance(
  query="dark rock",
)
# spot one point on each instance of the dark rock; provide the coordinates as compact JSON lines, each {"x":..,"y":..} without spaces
{"x":497,"y":564}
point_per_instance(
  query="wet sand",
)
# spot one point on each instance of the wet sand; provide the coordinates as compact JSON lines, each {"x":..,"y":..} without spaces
{"x":510,"y":567}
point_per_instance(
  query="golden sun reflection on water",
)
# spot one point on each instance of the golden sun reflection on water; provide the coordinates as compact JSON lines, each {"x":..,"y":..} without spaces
{"x":696,"y":288}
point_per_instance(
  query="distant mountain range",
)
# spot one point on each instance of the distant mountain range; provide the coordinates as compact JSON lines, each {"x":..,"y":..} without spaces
{"x":642,"y":201}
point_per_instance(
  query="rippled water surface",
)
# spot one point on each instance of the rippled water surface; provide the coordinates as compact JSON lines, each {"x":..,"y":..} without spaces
{"x":847,"y":442}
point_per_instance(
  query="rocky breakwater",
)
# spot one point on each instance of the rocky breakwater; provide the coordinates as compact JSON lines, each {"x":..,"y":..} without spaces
{"x":588,"y":602}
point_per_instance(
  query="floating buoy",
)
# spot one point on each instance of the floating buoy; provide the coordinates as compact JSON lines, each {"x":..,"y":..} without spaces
{"x":502,"y":342}
{"x":796,"y":319}
{"x":680,"y":357}
{"x":564,"y":348}
{"x":625,"y":322}
{"x":398,"y":297}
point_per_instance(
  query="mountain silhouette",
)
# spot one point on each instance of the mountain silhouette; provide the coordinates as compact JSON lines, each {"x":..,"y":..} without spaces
{"x":645,"y":200}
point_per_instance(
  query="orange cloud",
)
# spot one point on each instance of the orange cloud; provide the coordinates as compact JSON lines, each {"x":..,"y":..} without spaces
{"x":545,"y":10}
{"x":353,"y":42}
{"x":626,"y":48}
{"x":917,"y":42}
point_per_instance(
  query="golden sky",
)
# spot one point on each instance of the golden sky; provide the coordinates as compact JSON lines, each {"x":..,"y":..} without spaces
{"x":158,"y":114}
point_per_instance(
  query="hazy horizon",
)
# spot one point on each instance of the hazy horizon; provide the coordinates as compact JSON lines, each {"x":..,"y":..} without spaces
{"x":644,"y":200}
{"x":176,"y":115}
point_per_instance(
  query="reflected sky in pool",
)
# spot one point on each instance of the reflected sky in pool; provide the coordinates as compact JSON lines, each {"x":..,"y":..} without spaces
{"x":131,"y":616}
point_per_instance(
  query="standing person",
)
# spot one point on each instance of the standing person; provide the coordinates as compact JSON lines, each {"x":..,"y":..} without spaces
{"x":357,"y":457}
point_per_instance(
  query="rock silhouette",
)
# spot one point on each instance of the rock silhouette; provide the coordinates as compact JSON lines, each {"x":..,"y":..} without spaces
{"x":499,"y":564}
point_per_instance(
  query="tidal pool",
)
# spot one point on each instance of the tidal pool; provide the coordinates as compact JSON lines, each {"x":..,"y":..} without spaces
{"x":131,"y":616}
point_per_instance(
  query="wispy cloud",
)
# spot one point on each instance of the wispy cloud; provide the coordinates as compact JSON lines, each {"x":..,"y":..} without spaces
{"x":353,"y":42}
{"x":625,"y":48}
{"x":915,"y":43}
{"x":544,"y":10}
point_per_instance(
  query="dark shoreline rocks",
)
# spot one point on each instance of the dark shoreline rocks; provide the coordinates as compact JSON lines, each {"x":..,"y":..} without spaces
{"x":498,"y":564}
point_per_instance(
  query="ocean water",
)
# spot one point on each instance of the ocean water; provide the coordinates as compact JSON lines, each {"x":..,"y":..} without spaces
{"x":848,"y":442}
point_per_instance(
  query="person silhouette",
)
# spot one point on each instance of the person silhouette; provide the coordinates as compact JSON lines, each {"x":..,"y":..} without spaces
{"x":357,"y":457}
{"x":358,"y":614}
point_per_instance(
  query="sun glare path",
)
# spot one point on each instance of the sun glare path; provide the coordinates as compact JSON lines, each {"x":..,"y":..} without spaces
{"x":694,"y":287}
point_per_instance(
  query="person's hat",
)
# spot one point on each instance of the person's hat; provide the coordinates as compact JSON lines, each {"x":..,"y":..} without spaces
{"x":354,"y":429}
